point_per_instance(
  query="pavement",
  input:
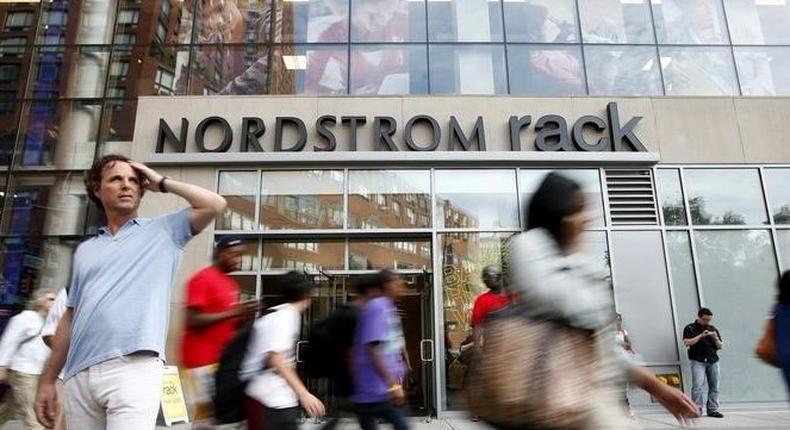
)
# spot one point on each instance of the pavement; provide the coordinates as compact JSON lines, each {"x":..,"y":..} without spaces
{"x":740,"y":417}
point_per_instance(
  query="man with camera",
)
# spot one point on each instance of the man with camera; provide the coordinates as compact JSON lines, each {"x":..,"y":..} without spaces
{"x":703,"y":342}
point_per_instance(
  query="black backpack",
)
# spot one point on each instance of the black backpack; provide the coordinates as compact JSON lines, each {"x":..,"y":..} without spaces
{"x":228,"y":386}
{"x":329,"y":343}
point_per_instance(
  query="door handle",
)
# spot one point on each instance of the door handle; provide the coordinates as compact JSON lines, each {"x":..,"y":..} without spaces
{"x":422,"y":350}
{"x":299,"y":350}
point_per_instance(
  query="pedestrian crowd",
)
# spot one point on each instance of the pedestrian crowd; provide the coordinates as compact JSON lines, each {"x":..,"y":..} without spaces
{"x":547,"y":349}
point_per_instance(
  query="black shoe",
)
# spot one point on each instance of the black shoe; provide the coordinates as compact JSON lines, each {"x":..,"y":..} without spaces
{"x":715,"y":414}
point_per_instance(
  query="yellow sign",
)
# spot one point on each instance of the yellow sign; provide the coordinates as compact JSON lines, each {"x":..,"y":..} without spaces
{"x":173,"y":407}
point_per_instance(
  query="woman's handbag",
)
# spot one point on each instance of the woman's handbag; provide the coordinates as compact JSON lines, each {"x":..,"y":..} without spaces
{"x":766,"y":346}
{"x":533,"y":373}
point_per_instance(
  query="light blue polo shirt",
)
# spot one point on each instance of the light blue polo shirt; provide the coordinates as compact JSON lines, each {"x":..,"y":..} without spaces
{"x":120,"y":289}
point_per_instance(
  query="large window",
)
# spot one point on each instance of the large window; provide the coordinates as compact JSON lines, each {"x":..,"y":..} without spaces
{"x":476,"y":199}
{"x":389,"y":199}
{"x":725,"y":196}
{"x":302,"y":200}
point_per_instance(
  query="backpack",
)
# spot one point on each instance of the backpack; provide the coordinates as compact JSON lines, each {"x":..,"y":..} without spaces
{"x":228,"y":386}
{"x":328,"y":346}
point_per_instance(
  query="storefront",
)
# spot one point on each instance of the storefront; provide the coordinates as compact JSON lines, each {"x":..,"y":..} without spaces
{"x":413,"y":142}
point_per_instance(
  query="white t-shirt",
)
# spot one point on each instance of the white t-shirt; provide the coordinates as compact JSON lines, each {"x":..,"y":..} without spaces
{"x":275,"y":332}
{"x":21,"y":347}
{"x":55,"y":313}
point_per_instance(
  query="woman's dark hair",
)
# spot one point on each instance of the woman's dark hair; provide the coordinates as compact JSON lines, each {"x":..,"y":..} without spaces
{"x":784,"y":288}
{"x":557,"y":197}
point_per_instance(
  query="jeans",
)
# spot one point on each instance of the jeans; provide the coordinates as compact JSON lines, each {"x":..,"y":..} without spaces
{"x":700,"y":372}
{"x":369,"y":414}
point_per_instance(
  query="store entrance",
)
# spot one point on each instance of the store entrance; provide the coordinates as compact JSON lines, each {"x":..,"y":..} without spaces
{"x":415,"y":307}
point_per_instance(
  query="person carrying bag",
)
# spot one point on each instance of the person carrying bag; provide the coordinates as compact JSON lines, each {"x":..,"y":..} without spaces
{"x":552,"y":361}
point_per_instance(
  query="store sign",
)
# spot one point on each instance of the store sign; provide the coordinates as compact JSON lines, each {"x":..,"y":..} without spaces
{"x":552,"y":133}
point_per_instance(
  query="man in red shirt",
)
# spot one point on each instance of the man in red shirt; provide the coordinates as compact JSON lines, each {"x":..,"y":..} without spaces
{"x":212,"y":315}
{"x":495,"y":298}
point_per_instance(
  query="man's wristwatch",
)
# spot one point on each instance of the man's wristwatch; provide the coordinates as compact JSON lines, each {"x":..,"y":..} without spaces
{"x":162,"y":184}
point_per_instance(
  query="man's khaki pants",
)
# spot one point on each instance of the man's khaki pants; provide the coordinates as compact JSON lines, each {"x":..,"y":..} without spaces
{"x":20,"y":399}
{"x":119,"y":394}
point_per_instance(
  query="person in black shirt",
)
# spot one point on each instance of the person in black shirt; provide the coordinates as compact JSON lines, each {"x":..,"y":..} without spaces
{"x":703,"y":342}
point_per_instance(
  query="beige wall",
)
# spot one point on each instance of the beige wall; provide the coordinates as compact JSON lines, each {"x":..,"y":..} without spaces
{"x":682,"y":130}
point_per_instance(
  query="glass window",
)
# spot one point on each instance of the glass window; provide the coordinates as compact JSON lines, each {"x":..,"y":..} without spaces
{"x":72,"y":72}
{"x":701,"y":71}
{"x":149,"y":71}
{"x":239,"y":189}
{"x":10,"y":73}
{"x":302,"y":199}
{"x":379,"y":198}
{"x":671,"y":195}
{"x":33,"y":263}
{"x":681,"y":271}
{"x":763,"y":71}
{"x":463,"y":256}
{"x":305,"y":69}
{"x":161,"y":33}
{"x":725,"y":196}
{"x":47,"y":205}
{"x":128,"y":16}
{"x":476,"y":199}
{"x":683,"y":22}
{"x":467,"y":69}
{"x":125,"y":39}
{"x":400,"y":254}
{"x":387,"y":21}
{"x":301,"y":255}
{"x":614,"y":70}
{"x":229,"y":70}
{"x":16,"y":21}
{"x":546,"y":70}
{"x":388,"y":69}
{"x":61,"y":134}
{"x":9,"y":118}
{"x":547,"y":21}
{"x":232,"y":21}
{"x":464,"y":21}
{"x":12,"y":47}
{"x":758,"y":22}
{"x":776,"y":187}
{"x":324,"y":21}
{"x":616,"y":21}
{"x":119,"y":116}
{"x":783,"y":243}
{"x":163,"y":82}
{"x":738,"y":277}
{"x":247,"y":288}
{"x":589,"y":179}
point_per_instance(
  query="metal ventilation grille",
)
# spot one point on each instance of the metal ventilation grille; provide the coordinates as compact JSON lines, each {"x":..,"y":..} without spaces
{"x":631,"y":197}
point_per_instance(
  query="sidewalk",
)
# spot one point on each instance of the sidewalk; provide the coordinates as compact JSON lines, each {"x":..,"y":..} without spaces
{"x":740,"y":418}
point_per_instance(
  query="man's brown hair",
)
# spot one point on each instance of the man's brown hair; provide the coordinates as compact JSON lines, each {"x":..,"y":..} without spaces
{"x":93,"y":175}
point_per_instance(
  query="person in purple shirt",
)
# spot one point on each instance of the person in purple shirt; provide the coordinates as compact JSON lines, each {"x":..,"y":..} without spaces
{"x":379,"y":363}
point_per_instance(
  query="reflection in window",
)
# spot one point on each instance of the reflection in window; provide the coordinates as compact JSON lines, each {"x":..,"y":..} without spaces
{"x":61,"y":134}
{"x":588,"y":179}
{"x":239,"y":189}
{"x":230,"y":70}
{"x":402,"y":254}
{"x":776,"y":187}
{"x":69,"y":72}
{"x":725,"y":196}
{"x":119,"y":116}
{"x":33,"y":263}
{"x":681,"y":272}
{"x":47,"y":205}
{"x":144,"y":71}
{"x":303,"y":255}
{"x":672,"y":206}
{"x":387,"y":69}
{"x":230,"y":21}
{"x":387,"y":21}
{"x":462,"y":257}
{"x":684,"y":22}
{"x":698,"y":71}
{"x":467,"y":69}
{"x":384,"y":199}
{"x":755,"y":22}
{"x":324,"y":21}
{"x":476,"y":199}
{"x":247,"y":288}
{"x":552,"y":21}
{"x":763,"y":71}
{"x":613,"y":70}
{"x":738,"y":275}
{"x":249,"y":258}
{"x":615,"y":21}
{"x":783,"y":243}
{"x":546,"y":70}
{"x":465,"y":21}
{"x":318,"y":70}
{"x":19,"y":21}
{"x":302,"y":199}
